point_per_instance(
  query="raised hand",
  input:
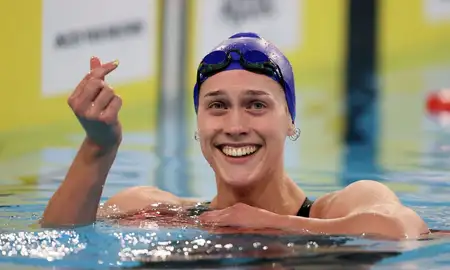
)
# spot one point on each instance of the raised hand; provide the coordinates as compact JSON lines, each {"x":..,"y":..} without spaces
{"x":97,"y":106}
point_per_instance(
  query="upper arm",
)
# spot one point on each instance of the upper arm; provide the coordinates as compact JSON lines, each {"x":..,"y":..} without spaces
{"x":371,"y":197}
{"x":137,"y":198}
{"x":359,"y":196}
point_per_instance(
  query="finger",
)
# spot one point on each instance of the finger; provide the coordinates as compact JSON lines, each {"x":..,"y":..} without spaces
{"x":92,"y":89}
{"x":211,"y":218}
{"x":209,"y":214}
{"x":204,"y":217}
{"x":88,"y":95}
{"x":101,"y":102}
{"x":80,"y":87}
{"x":103,"y":70}
{"x":94,"y":63}
{"x":110,"y":114}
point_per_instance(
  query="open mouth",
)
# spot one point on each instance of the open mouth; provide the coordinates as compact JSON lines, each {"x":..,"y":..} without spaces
{"x":238,"y":151}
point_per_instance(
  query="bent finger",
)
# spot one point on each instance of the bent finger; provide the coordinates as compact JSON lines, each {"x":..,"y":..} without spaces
{"x":92,"y":89}
{"x":90,"y":92}
{"x":102,"y":101}
{"x":94,"y":62}
{"x":80,"y":86}
{"x":110,"y":114}
{"x":210,"y":213}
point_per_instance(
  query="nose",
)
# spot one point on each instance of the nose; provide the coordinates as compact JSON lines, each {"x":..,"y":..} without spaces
{"x":236,"y":125}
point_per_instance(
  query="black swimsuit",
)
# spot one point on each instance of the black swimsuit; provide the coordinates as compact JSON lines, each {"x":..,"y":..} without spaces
{"x":305,"y":208}
{"x":199,"y":208}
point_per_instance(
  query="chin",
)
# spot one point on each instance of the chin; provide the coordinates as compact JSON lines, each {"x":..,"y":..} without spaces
{"x":240,"y":179}
{"x":240,"y":172}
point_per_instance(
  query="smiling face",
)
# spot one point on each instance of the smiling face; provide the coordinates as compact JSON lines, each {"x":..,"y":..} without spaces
{"x":243,"y":123}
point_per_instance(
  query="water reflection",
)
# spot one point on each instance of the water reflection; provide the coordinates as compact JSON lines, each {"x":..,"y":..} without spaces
{"x":187,"y":249}
{"x":258,"y":250}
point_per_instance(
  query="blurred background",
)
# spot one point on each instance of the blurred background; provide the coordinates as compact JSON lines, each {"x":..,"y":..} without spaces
{"x":363,"y":70}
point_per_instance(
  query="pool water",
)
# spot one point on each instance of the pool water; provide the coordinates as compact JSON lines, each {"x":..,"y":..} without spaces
{"x":111,"y":245}
{"x":412,"y":159}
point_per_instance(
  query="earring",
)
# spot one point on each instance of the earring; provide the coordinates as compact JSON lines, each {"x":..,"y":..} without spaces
{"x":196,"y":136}
{"x":295,"y":136}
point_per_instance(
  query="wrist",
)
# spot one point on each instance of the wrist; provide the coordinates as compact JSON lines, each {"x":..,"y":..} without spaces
{"x":282,"y":222}
{"x":274,"y":221}
{"x":102,"y":135}
{"x":102,"y":149}
{"x":297,"y":224}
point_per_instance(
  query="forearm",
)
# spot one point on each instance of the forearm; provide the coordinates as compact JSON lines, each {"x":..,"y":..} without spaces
{"x":76,"y":200}
{"x":358,"y":224}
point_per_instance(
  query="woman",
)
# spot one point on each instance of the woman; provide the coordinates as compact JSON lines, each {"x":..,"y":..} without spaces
{"x":245,"y":103}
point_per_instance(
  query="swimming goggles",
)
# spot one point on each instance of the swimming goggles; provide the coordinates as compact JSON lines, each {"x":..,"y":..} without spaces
{"x":251,"y":60}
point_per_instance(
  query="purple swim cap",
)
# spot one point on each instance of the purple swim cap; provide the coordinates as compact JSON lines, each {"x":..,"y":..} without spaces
{"x":251,"y":41}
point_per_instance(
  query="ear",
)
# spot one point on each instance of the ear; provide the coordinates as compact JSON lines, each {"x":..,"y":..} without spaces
{"x":291,"y":129}
{"x":290,"y":123}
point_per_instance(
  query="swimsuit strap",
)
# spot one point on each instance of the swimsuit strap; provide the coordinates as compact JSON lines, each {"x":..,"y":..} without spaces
{"x":305,"y":208}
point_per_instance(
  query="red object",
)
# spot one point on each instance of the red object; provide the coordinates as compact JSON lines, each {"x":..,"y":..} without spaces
{"x":438,"y":102}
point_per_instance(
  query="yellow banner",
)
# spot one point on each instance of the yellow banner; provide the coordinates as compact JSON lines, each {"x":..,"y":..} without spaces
{"x":413,"y":32}
{"x":48,"y":46}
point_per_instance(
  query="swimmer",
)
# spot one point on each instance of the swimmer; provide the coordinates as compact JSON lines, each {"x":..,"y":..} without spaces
{"x":244,"y":98}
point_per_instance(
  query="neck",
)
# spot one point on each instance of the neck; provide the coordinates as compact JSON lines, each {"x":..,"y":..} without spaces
{"x":279,"y":195}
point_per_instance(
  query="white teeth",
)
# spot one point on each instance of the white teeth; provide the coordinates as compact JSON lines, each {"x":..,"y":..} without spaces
{"x":239,"y":151}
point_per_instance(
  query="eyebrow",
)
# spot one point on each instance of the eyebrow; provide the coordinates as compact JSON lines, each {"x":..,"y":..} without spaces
{"x":249,"y":92}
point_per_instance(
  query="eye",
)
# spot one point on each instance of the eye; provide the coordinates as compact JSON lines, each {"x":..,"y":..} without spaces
{"x":217,"y":105}
{"x":257,"y":105}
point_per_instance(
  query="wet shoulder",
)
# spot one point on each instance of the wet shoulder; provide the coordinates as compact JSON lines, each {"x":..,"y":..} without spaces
{"x":140,"y":197}
{"x":322,"y":205}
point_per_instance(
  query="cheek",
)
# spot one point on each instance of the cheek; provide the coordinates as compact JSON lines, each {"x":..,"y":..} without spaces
{"x":202,"y":124}
{"x":208,"y":126}
{"x":276,"y":128}
{"x":274,"y":135}
{"x":204,"y":119}
{"x":206,"y":132}
{"x":203,"y":146}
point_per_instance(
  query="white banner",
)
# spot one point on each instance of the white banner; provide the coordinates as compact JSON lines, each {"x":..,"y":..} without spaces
{"x":278,"y":21}
{"x":437,"y":10}
{"x":73,"y":31}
